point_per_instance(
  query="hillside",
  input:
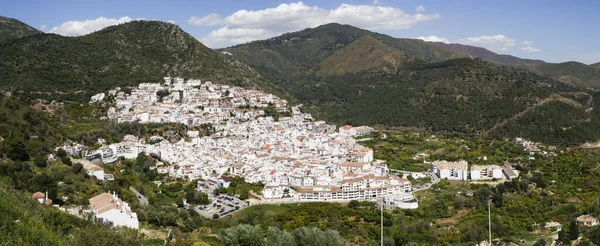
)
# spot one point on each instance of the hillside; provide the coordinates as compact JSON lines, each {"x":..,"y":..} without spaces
{"x":11,"y":29}
{"x":574,"y":73}
{"x":488,"y":55}
{"x":364,"y":54}
{"x":294,"y":55}
{"x":24,"y":221}
{"x":346,"y":75}
{"x":122,"y":55}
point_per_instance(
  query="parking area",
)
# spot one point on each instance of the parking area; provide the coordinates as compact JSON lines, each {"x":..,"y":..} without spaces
{"x":222,"y":205}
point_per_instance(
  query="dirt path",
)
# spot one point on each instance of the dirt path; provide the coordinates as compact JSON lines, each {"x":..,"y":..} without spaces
{"x":552,"y":98}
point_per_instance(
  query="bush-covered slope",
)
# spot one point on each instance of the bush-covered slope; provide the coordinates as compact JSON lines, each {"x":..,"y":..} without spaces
{"x":345,"y":75}
{"x":574,"y":73}
{"x":294,"y":55}
{"x":24,"y":221}
{"x":11,"y":29}
{"x":138,"y":51}
{"x":365,"y":54}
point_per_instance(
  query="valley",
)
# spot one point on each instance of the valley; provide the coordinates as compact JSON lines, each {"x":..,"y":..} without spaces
{"x":139,"y":134}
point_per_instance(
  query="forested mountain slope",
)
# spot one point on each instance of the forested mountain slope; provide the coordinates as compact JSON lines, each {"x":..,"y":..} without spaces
{"x":138,"y":51}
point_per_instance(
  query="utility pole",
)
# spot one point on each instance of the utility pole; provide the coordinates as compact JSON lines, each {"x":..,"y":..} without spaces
{"x":490,"y":223}
{"x":381,"y":207}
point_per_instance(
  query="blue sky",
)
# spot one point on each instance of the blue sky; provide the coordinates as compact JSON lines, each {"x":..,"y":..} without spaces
{"x":551,"y":30}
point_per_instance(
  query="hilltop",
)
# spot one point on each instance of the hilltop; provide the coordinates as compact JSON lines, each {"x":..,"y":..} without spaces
{"x":122,"y":55}
{"x":11,"y":29}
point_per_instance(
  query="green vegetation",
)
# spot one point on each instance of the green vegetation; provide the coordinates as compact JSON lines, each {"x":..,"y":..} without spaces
{"x":11,"y":29}
{"x":413,"y":84}
{"x":572,"y":72}
{"x":24,"y":221}
{"x":122,"y":55}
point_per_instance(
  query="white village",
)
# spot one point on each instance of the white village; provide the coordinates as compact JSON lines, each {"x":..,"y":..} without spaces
{"x":296,"y":158}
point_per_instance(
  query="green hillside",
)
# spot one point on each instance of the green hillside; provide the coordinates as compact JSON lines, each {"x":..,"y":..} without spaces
{"x":573,"y":73}
{"x":122,"y":55}
{"x":24,"y":221}
{"x":488,"y":55}
{"x":295,"y":55}
{"x":11,"y":29}
{"x":346,"y":75}
{"x":365,"y":54}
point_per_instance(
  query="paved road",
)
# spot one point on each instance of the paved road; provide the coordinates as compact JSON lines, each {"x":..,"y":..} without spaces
{"x":140,"y":196}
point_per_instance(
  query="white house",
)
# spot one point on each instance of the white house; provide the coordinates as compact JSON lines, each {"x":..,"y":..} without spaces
{"x":479,"y":172}
{"x":403,"y":200}
{"x":275,"y":191}
{"x":108,"y":208}
{"x":92,"y":169}
{"x":451,"y":170}
{"x":42,"y":198}
{"x":348,"y":130}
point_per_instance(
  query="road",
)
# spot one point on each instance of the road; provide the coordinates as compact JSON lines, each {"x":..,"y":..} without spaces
{"x":140,"y":196}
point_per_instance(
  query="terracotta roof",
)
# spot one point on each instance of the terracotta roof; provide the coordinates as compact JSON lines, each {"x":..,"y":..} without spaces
{"x":38,"y":195}
{"x":353,"y":164}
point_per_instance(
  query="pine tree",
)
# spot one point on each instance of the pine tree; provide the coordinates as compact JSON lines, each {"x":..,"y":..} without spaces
{"x":562,"y":237}
{"x":573,"y":230}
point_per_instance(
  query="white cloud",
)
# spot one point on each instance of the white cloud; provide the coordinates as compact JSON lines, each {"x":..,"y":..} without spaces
{"x":248,"y":25}
{"x":78,"y":28}
{"x":211,"y":19}
{"x":433,"y":38}
{"x":530,"y":49}
{"x":172,"y":21}
{"x":43,"y":27}
{"x":376,"y":2}
{"x":528,"y":43}
{"x":495,"y":42}
{"x":420,"y":8}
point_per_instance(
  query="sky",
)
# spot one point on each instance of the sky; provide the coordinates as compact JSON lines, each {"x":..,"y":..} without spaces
{"x":551,"y":30}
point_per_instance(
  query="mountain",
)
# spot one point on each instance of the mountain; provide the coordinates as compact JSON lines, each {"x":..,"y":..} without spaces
{"x":122,"y":55}
{"x":488,"y":55}
{"x":364,"y":54}
{"x":297,"y":54}
{"x":574,"y":73}
{"x":347,"y":75}
{"x":11,"y":29}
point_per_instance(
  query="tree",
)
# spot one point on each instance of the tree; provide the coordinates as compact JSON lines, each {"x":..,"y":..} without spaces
{"x":242,"y":235}
{"x":276,"y":237}
{"x":353,"y":204}
{"x":17,"y":150}
{"x":215,"y":216}
{"x":595,"y":235}
{"x":541,"y":242}
{"x":573,"y":232}
{"x":77,"y":167}
{"x":40,"y":161}
{"x":196,"y":197}
{"x":61,"y":153}
{"x":162,"y":93}
{"x":311,"y":236}
{"x":562,"y":237}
